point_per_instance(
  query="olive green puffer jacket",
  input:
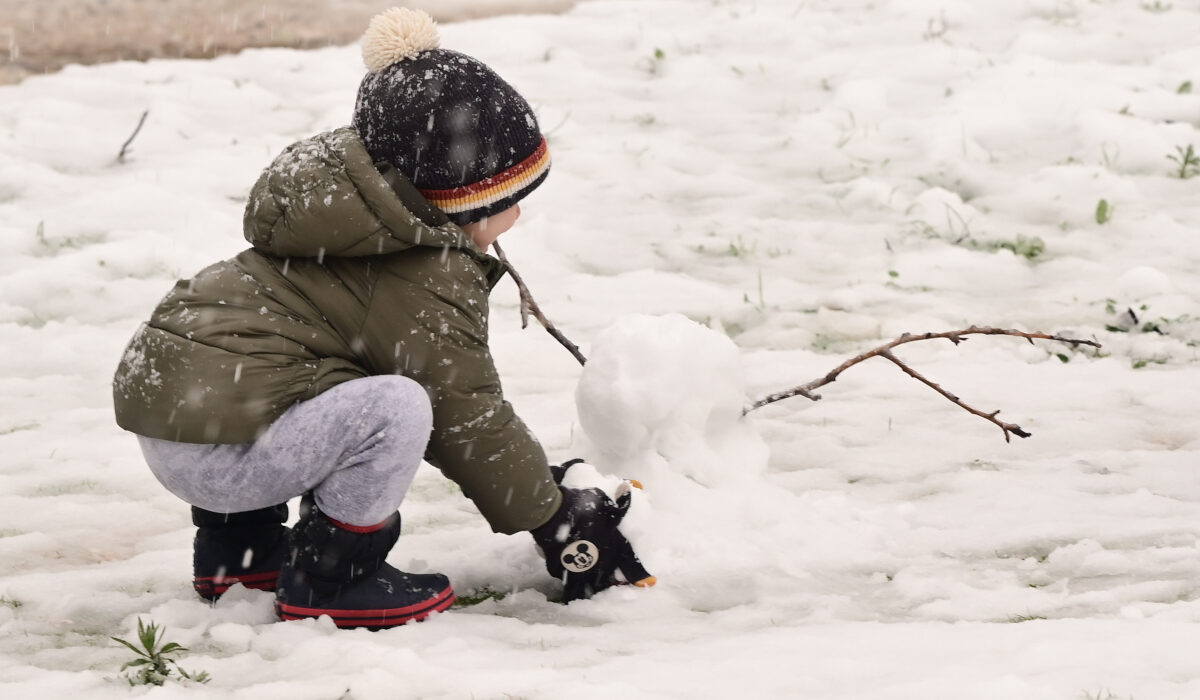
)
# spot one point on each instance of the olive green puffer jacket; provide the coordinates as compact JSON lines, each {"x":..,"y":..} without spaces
{"x":352,"y":274}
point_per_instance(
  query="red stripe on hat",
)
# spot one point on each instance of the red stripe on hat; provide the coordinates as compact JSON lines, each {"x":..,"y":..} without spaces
{"x":534,"y":161}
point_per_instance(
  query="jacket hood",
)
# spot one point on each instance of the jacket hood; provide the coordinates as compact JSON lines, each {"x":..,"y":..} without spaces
{"x":324,"y":196}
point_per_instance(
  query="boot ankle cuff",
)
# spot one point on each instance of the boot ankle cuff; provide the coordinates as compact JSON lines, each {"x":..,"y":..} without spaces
{"x":274,"y":515}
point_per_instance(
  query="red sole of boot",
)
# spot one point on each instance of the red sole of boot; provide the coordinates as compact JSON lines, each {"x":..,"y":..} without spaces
{"x":385,"y":617}
{"x":211,"y":587}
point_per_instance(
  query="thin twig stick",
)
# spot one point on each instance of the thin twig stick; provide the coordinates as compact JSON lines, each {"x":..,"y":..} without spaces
{"x":529,"y":306}
{"x":125,"y":146}
{"x":885,"y":351}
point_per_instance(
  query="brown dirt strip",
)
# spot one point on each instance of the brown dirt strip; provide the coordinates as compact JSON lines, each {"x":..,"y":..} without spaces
{"x":41,"y":36}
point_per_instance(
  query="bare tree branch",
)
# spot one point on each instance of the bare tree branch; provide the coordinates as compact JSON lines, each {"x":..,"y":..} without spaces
{"x":125,"y":146}
{"x":529,"y":306}
{"x":885,"y":351}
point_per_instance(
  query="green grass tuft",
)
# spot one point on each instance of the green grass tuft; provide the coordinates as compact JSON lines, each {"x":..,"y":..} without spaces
{"x":1187,"y":161}
{"x":153,"y":663}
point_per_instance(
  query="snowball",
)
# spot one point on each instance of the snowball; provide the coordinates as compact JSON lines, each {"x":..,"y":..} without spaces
{"x":666,"y":393}
{"x":396,"y":34}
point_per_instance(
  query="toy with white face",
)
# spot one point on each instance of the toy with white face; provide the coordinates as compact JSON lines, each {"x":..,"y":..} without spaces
{"x":580,"y":556}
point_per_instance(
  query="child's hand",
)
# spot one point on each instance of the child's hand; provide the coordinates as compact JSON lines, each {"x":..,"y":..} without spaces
{"x":583,"y":547}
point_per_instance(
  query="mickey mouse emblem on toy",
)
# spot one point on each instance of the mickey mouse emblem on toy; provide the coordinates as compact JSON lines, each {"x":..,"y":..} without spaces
{"x":580,"y":556}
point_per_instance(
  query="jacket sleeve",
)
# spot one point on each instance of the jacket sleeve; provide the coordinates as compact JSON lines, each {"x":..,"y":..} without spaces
{"x":428,"y":321}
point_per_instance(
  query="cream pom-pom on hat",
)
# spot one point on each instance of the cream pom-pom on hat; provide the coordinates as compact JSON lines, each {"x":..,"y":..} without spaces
{"x":462,"y":135}
{"x":396,"y":34}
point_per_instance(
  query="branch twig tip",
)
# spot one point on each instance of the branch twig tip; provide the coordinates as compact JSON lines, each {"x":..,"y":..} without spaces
{"x":885,"y":351}
{"x":530,"y":307}
{"x":138,"y":128}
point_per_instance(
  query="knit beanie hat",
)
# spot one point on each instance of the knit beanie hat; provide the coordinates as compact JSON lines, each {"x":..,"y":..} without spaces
{"x":447,"y":122}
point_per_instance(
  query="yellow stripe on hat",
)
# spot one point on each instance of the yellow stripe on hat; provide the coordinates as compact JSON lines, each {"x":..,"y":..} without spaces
{"x":493,"y":189}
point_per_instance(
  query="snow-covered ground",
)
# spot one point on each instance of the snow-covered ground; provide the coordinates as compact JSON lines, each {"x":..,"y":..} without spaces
{"x":810,"y":179}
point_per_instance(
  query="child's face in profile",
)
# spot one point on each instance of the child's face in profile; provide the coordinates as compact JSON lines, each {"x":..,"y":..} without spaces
{"x":486,"y":231}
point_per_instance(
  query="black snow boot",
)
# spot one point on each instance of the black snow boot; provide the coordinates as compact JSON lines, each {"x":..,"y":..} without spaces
{"x":338,"y":570}
{"x":246,"y":548}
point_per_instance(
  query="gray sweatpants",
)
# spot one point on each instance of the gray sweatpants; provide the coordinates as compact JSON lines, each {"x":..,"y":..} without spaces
{"x":356,"y":446}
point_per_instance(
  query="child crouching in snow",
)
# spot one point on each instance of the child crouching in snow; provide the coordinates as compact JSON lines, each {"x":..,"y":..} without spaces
{"x":350,"y":342}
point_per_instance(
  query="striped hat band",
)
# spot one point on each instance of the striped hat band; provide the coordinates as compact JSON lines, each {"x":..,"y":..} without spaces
{"x":495,"y":188}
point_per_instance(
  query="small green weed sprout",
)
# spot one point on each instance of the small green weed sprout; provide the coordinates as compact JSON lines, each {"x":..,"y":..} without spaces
{"x":1144,"y":362}
{"x":646,"y":119}
{"x":477,"y":596}
{"x":759,"y":305}
{"x":740,"y":249}
{"x":48,"y":246}
{"x":1028,"y":247}
{"x":1187,"y":160}
{"x":1131,"y":320}
{"x":153,"y":662}
{"x":936,"y":27}
{"x":1104,"y":212}
{"x":1110,"y":157}
{"x":1184,"y":88}
{"x":654,"y":63}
